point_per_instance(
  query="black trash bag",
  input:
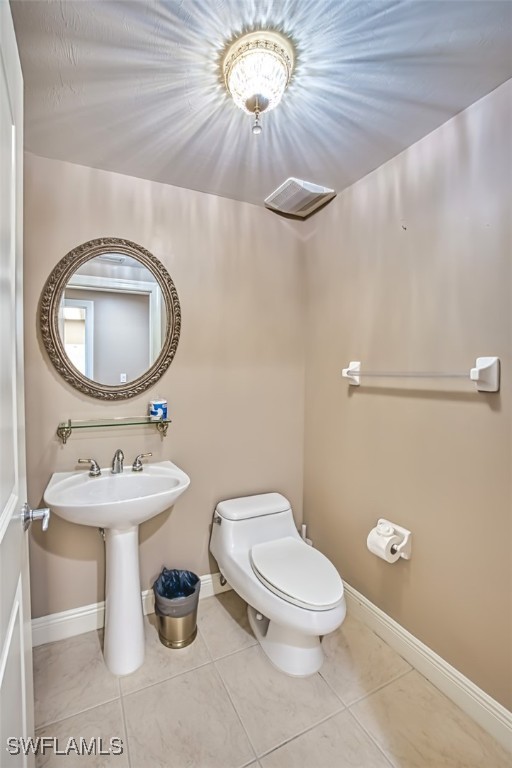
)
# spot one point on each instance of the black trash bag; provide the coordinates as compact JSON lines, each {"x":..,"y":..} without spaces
{"x":174,"y":583}
{"x":176,"y":593}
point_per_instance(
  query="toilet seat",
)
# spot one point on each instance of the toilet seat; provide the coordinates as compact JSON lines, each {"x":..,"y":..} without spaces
{"x":297,"y":573}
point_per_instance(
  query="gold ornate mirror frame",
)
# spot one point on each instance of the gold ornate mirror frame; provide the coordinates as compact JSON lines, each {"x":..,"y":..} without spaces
{"x":49,"y":305}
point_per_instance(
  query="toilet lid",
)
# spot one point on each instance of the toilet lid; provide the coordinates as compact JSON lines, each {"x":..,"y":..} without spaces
{"x":298,"y":573}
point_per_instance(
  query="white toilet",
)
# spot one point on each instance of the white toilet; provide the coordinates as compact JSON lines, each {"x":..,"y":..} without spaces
{"x":294,"y":594}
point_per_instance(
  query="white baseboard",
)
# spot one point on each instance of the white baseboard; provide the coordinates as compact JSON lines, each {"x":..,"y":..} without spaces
{"x":487,"y":712}
{"x":59,"y":626}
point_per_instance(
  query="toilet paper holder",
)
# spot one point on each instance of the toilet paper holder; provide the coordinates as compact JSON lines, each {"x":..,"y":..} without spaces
{"x":386,"y":528}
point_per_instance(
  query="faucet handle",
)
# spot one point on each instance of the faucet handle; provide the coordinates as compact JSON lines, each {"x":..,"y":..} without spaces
{"x":137,"y":464}
{"x":95,"y":470}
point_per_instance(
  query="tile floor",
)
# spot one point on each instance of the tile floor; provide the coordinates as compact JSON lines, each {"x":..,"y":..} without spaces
{"x":220,"y":704}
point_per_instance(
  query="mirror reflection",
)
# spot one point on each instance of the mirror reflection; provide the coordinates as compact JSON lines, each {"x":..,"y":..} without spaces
{"x":112,"y":319}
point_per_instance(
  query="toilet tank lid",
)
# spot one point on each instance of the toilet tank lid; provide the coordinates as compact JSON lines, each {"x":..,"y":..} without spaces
{"x":246,"y":507}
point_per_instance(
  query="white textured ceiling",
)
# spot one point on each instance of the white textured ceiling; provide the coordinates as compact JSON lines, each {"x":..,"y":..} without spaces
{"x":134,"y":87}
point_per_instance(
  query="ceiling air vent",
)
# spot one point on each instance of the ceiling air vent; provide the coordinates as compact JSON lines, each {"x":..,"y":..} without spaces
{"x":298,"y":198}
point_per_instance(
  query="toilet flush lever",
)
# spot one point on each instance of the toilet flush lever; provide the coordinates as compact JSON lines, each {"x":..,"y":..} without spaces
{"x":29,"y":515}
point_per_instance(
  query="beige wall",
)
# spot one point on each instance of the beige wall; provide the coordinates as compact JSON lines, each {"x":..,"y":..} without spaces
{"x":235,"y":388}
{"x":410,"y":269}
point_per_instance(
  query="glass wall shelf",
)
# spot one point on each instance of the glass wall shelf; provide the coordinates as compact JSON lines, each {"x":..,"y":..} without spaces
{"x":65,"y":428}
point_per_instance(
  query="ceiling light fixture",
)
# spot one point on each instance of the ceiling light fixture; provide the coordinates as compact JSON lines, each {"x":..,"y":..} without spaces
{"x":257,"y":68}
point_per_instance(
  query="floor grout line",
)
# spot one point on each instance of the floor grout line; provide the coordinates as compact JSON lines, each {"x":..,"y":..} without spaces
{"x":171,"y":677}
{"x":219,"y":673}
{"x":229,"y":653}
{"x":232,"y":653}
{"x":342,"y":708}
{"x":126,"y":694}
{"x":125,"y":726}
{"x":372,"y":739}
{"x":380,"y":687}
{"x":328,"y":684}
{"x":40,"y":726}
{"x":306,"y":730}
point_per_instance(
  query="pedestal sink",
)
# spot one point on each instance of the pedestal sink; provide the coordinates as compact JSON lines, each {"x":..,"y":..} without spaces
{"x":119,"y":503}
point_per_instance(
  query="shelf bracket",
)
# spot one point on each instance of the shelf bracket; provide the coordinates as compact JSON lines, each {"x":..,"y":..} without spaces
{"x":162,"y":427}
{"x":64,"y":431}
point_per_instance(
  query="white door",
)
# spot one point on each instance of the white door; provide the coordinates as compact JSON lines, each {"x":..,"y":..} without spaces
{"x":16,"y":695}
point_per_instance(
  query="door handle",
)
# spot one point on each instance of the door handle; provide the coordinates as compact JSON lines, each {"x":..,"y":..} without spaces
{"x":29,"y":515}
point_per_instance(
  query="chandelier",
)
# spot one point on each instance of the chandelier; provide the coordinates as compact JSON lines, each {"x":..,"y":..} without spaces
{"x":257,"y":68}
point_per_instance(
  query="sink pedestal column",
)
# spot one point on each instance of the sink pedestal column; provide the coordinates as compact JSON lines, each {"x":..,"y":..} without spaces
{"x":124,"y":621}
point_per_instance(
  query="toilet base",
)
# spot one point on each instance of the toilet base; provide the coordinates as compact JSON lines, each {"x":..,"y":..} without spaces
{"x":292,"y":652}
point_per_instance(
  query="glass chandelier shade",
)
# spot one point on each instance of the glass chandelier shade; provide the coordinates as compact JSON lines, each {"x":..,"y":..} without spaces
{"x":257,"y":68}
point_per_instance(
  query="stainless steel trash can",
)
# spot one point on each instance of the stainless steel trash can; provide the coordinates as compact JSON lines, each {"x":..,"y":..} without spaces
{"x":177,"y":631}
{"x":177,"y":617}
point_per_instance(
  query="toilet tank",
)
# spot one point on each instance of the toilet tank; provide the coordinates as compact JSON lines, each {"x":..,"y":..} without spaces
{"x":240,"y":523}
{"x":248,"y":507}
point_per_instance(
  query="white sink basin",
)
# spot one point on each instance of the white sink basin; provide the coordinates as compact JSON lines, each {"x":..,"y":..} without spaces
{"x":115,"y":501}
{"x":119,"y":503}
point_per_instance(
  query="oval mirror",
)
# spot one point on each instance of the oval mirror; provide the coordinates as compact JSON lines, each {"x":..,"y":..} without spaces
{"x":110,"y":318}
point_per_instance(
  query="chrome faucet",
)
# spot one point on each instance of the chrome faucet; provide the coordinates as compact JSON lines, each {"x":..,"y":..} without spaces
{"x":117,"y":462}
